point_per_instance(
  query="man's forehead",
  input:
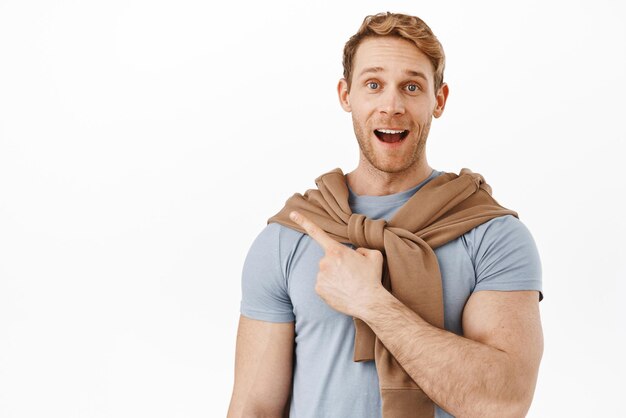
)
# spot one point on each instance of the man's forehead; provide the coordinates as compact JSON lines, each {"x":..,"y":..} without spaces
{"x":387,"y":54}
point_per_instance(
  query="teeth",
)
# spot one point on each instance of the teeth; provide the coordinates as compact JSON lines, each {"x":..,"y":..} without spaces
{"x":389,"y":131}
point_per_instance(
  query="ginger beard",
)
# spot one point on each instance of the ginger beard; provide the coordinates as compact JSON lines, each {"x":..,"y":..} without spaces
{"x":392,"y":161}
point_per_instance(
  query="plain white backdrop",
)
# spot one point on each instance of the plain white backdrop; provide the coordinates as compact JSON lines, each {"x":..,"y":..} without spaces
{"x":144,"y":144}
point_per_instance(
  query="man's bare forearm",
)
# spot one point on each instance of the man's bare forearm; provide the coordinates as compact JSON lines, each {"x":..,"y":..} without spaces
{"x":465,"y":377}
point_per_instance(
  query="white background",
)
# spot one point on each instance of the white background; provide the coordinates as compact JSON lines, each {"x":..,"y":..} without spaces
{"x":144,"y":144}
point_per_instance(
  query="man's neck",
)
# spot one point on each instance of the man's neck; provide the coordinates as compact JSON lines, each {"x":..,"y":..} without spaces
{"x":366,"y":180}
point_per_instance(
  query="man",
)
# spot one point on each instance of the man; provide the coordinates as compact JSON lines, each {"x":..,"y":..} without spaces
{"x":468,"y":342}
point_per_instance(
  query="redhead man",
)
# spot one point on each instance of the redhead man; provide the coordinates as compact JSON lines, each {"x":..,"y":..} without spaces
{"x":395,"y":290}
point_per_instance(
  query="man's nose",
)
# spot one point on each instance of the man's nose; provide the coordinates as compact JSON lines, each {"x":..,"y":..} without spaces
{"x":392,"y":103}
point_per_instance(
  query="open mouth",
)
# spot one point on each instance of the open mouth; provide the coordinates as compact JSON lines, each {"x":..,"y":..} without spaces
{"x":390,"y":135}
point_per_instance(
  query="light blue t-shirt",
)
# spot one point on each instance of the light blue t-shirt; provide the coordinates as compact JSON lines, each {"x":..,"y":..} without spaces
{"x":278,"y":285}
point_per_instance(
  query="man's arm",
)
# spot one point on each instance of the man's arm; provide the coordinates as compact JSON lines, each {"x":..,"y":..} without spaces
{"x":263,"y":369}
{"x":491,"y":371}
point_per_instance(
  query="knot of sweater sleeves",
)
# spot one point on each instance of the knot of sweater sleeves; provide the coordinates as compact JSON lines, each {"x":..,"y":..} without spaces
{"x":366,"y":232}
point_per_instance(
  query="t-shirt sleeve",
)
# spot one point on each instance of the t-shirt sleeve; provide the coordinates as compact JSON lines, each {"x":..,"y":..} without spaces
{"x":506,"y":256}
{"x":264,"y":293}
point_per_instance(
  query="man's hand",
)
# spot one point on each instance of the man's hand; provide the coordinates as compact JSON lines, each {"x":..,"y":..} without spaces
{"x":348,"y":280}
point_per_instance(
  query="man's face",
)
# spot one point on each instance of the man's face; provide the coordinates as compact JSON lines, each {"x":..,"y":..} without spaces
{"x":392,"y":101}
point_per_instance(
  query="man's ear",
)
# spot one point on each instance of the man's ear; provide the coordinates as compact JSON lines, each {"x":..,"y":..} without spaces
{"x":441,"y":97}
{"x":344,"y":95}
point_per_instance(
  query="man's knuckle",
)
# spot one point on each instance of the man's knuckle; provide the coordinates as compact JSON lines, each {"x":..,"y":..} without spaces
{"x":335,"y":252}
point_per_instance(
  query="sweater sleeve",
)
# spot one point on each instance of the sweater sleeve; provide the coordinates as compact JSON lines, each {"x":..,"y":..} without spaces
{"x":264,"y":292}
{"x":506,"y":256}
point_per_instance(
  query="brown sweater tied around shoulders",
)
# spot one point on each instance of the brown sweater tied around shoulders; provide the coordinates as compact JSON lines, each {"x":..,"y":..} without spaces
{"x":443,"y":209}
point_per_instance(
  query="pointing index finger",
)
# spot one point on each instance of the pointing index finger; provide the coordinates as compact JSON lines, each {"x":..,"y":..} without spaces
{"x":314,"y":231}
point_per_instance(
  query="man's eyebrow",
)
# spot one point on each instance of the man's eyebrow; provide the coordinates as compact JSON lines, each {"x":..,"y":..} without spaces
{"x":411,"y":73}
{"x":372,"y":70}
{"x":420,"y":74}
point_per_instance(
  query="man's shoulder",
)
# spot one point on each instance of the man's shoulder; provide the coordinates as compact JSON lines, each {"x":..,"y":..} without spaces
{"x":274,"y":238}
{"x":281,"y":232}
{"x":502,"y":225}
{"x":504,"y":252}
{"x":498,"y":235}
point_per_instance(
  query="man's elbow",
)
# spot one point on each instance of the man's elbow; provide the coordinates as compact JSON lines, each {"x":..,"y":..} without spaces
{"x":517,"y":409}
{"x":520,"y":406}
{"x":513,"y":407}
{"x":511,"y":398}
{"x":511,"y":403}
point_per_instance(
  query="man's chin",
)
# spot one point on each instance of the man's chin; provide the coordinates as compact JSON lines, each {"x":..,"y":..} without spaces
{"x":391,"y":167}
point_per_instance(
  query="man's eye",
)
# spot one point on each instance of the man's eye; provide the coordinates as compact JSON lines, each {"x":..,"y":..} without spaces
{"x":372,"y":85}
{"x":412,"y":87}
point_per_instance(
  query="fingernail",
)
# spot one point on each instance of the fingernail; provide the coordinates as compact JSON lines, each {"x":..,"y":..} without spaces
{"x":294,"y":216}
